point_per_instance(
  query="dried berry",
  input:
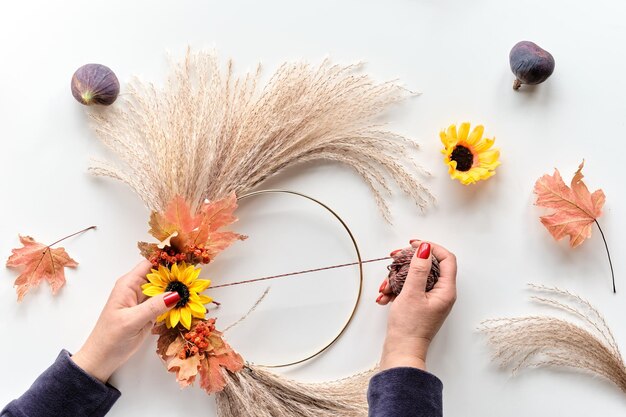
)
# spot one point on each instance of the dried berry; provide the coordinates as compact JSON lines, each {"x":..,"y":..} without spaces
{"x":530,"y":64}
{"x":95,"y":84}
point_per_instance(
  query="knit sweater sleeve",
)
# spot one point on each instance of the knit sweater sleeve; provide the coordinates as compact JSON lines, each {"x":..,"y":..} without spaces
{"x":64,"y":390}
{"x":405,"y":392}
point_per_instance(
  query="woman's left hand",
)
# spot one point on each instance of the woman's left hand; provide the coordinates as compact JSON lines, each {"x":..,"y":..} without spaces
{"x":123,"y":325}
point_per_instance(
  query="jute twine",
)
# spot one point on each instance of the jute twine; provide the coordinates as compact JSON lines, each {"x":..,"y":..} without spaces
{"x":399,"y":269}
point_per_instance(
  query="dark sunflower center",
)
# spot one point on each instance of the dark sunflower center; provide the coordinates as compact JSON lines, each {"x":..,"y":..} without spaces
{"x":181,"y":289}
{"x":463,"y":157}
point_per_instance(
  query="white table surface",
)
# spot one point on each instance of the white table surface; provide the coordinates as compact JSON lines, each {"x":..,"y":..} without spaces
{"x":456,"y":54}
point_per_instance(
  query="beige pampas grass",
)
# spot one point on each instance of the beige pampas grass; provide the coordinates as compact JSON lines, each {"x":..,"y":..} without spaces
{"x":208,"y":132}
{"x":255,"y":392}
{"x":535,"y":341}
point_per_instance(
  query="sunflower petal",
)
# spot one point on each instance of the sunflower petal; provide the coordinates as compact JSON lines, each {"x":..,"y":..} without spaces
{"x":151,"y":290}
{"x":174,"y":317}
{"x":157,"y":280}
{"x":204,"y":299}
{"x":197,"y":309}
{"x":483,"y":145}
{"x":447,"y":140}
{"x":451,"y":132}
{"x":476,"y":135}
{"x":175,"y":271}
{"x":464,"y":131}
{"x":489,"y":157}
{"x":185,"y":317}
{"x":200,"y":285}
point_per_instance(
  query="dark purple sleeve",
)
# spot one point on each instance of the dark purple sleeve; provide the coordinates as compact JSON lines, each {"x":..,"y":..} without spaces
{"x":405,"y":392}
{"x":64,"y":390}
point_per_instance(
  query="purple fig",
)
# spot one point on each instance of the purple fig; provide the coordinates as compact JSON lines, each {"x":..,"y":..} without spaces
{"x":95,"y":84}
{"x":530,"y":64}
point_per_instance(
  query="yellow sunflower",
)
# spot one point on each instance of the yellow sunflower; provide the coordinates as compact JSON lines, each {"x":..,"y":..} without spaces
{"x":468,"y":155}
{"x":183,"y":279}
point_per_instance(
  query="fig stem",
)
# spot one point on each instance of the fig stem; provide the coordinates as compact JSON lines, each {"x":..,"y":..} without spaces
{"x":517,"y":84}
{"x":608,"y":254}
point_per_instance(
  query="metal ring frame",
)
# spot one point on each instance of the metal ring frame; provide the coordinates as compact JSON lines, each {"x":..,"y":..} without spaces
{"x":360,"y":263}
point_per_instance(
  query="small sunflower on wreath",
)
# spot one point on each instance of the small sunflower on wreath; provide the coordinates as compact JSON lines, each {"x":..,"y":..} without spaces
{"x":469,"y":156}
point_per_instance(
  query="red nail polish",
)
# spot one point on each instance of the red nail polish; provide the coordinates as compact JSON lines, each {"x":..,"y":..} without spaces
{"x":412,"y":240}
{"x":395,"y":252}
{"x":171,"y":299}
{"x":379,"y":297}
{"x":423,"y":252}
{"x":383,"y":286}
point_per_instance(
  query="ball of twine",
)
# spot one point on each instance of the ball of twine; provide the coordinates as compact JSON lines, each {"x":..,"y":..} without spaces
{"x":399,"y":269}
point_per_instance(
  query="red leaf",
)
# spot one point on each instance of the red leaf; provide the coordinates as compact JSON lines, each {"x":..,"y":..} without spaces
{"x":575,"y":208}
{"x":38,"y":262}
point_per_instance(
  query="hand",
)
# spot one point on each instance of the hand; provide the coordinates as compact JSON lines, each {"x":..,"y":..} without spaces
{"x":415,"y":315}
{"x":123,"y":325}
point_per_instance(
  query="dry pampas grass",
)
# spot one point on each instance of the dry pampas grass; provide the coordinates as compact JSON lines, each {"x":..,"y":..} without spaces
{"x":535,"y":341}
{"x":255,"y":392}
{"x":207,"y":132}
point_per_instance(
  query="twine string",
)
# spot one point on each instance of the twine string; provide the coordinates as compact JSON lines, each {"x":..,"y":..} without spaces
{"x":306,"y":271}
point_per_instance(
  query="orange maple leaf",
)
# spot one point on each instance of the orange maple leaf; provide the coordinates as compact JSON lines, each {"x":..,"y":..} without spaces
{"x":576,"y":209}
{"x":180,"y":229}
{"x":39,"y":262}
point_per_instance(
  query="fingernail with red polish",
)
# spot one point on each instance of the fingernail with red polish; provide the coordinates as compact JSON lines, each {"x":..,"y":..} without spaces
{"x":395,"y":252}
{"x":379,"y":297}
{"x":171,"y":299}
{"x":412,"y":240}
{"x":423,"y":252}
{"x":383,"y":286}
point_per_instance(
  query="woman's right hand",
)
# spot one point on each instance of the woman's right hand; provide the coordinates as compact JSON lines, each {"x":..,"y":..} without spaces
{"x":415,"y":315}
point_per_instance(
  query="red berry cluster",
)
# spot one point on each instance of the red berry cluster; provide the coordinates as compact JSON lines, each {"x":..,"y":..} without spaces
{"x":195,"y":254}
{"x":200,"y":253}
{"x":166,"y":257}
{"x":197,"y":339}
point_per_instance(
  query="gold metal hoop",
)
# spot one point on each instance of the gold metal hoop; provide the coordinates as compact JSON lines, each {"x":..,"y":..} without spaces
{"x":360,"y":263}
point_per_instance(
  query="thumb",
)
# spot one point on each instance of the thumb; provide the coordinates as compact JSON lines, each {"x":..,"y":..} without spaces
{"x":418,"y":270}
{"x":153,"y":307}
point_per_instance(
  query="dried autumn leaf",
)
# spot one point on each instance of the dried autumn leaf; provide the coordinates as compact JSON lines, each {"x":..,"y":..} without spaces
{"x":186,"y":369}
{"x":38,"y":262}
{"x":176,"y":218}
{"x":576,"y":209}
{"x":208,"y":362}
{"x":184,"y":232}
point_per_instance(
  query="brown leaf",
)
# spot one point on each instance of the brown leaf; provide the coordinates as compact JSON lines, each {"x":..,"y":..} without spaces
{"x":575,"y":208}
{"x":186,"y":369}
{"x":38,"y":262}
{"x":208,"y":362}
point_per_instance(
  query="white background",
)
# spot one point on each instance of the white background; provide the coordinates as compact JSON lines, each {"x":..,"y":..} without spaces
{"x":456,"y":54}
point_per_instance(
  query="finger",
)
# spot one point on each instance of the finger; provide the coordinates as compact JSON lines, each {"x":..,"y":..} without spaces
{"x":384,"y":299}
{"x":385,"y":287}
{"x":153,"y":307}
{"x":137,"y":277}
{"x":419,"y":269}
{"x":447,"y":269}
{"x":415,"y":243}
